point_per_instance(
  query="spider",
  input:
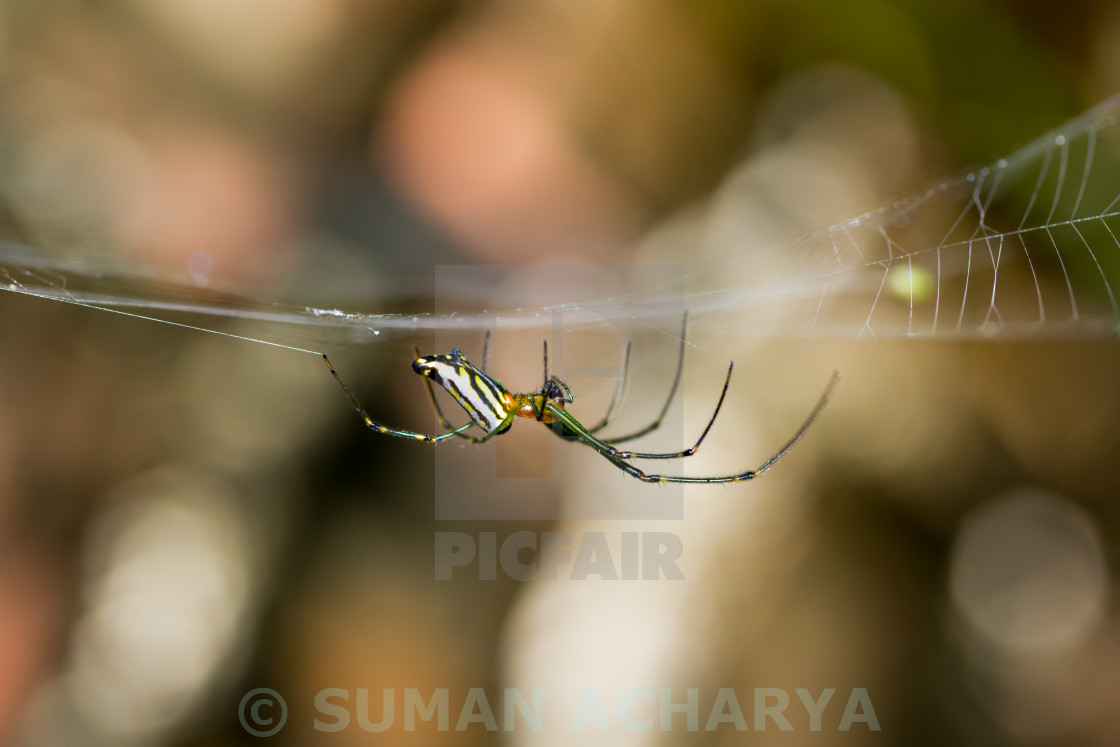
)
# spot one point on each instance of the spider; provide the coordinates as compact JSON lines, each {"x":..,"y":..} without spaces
{"x":492,"y":408}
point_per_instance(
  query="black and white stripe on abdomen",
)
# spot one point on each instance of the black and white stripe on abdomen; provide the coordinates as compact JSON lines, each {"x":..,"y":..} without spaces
{"x":478,"y":394}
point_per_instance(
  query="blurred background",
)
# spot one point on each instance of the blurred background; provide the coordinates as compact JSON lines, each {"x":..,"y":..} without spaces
{"x":185,"y":518}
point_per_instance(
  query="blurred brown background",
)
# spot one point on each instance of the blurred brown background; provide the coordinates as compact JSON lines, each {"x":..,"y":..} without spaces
{"x":184,"y":518}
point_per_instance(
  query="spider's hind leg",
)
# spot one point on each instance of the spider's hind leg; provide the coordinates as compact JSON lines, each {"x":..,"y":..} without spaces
{"x":388,"y":431}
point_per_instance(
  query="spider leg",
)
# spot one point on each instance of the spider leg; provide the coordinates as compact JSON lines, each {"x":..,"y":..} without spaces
{"x":486,"y":351}
{"x":400,"y":432}
{"x":619,"y":391}
{"x":668,"y":401}
{"x":544,"y":386}
{"x":569,"y":427}
{"x":502,"y":428}
{"x":689,"y":451}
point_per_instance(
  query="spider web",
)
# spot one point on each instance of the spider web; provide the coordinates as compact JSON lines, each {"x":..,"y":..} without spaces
{"x":1024,"y":247}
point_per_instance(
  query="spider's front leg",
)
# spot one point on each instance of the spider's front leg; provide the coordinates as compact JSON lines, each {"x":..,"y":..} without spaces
{"x":572,"y":429}
{"x":568,"y":428}
{"x":686,"y":452}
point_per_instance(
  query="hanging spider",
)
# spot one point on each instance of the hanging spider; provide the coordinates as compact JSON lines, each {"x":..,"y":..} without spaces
{"x":492,"y":408}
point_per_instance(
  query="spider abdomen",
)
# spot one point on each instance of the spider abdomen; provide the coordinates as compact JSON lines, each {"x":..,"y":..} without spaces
{"x":483,"y":398}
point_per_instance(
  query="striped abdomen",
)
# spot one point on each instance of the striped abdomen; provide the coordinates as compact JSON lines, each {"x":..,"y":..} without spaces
{"x":485,"y":400}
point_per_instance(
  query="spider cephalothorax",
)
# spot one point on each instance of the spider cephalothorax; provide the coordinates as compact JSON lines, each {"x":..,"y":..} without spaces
{"x":556,"y":391}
